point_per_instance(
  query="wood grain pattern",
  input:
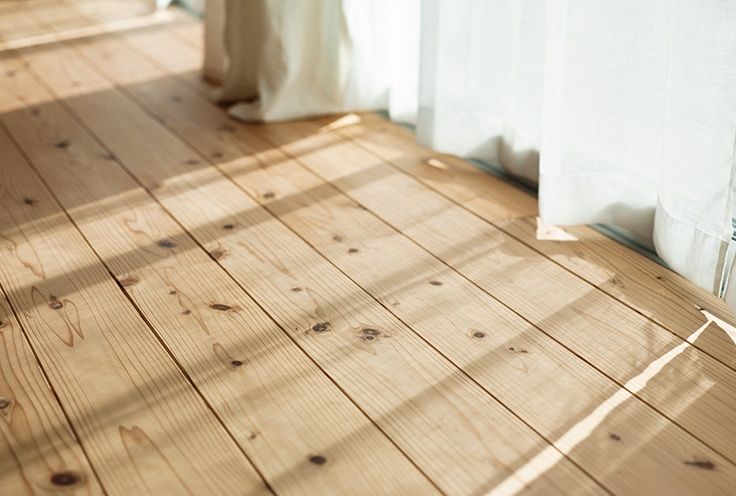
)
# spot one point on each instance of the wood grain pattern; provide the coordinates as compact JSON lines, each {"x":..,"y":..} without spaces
{"x":102,"y":11}
{"x":39,"y":453}
{"x":644,"y":285}
{"x":173,"y":54}
{"x":464,"y":440}
{"x":606,"y":333}
{"x":382,"y":281}
{"x":408,"y":281}
{"x":15,"y":25}
{"x":143,"y":427}
{"x":31,"y":23}
{"x":243,"y":363}
{"x":656,"y":292}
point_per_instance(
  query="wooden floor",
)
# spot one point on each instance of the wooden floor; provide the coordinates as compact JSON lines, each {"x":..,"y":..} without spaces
{"x":195,"y":305}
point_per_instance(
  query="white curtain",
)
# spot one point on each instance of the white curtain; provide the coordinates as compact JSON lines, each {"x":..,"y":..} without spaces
{"x":623,"y":111}
{"x":639,"y":124}
{"x":295,"y":58}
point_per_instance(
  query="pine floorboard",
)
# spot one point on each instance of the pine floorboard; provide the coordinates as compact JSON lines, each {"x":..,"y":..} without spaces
{"x":326,"y":313}
{"x":313,"y":307}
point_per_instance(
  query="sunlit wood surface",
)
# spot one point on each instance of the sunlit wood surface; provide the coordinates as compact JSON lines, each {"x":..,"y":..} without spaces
{"x":194,"y":305}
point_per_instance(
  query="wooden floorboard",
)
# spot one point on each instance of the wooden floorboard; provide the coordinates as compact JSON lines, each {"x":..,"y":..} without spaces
{"x":18,"y":29}
{"x":144,"y":429}
{"x":400,"y":275}
{"x":39,"y":452}
{"x":441,"y":235}
{"x":598,"y":328}
{"x":639,"y":282}
{"x":142,"y":425}
{"x":346,"y":310}
{"x":407,"y":388}
{"x":241,"y":361}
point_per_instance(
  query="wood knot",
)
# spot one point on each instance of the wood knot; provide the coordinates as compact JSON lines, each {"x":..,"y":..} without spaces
{"x":172,"y":292}
{"x":317,"y":459}
{"x":128,"y":281}
{"x":701,"y":463}
{"x":296,"y":289}
{"x":435,"y":283}
{"x":321,"y":327}
{"x":5,"y":403}
{"x":28,"y":201}
{"x":236,"y":363}
{"x":35,"y":111}
{"x":369,"y":334}
{"x":353,"y":250}
{"x":186,"y":312}
{"x":192,"y":161}
{"x":218,"y":253}
{"x":66,"y":478}
{"x":110,"y":156}
{"x":221,"y":307}
{"x":517,"y":350}
{"x":479,"y":334}
{"x":63,"y":144}
{"x":217,"y":155}
{"x":56,"y":304}
{"x":337,"y":238}
{"x":268,"y":195}
{"x":614,"y":437}
{"x":228,"y":227}
{"x":166,"y":243}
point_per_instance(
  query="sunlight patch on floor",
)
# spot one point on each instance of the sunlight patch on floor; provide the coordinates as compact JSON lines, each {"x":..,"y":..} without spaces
{"x":344,"y":121}
{"x":551,"y":455}
{"x":157,"y":18}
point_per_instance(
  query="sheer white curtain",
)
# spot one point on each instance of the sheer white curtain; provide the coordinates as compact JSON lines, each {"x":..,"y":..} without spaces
{"x":623,"y":111}
{"x":301,"y":58}
{"x":639,"y":124}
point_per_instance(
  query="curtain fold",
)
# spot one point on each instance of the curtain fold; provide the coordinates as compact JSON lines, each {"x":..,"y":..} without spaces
{"x":639,"y":124}
{"x":623,"y":112}
{"x":481,"y":83}
{"x":215,"y":58}
{"x":290,"y":58}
